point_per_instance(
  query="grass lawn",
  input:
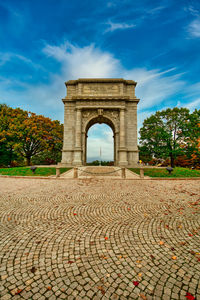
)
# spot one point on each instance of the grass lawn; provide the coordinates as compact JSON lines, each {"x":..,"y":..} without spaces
{"x":25,"y":171}
{"x":177,"y":172}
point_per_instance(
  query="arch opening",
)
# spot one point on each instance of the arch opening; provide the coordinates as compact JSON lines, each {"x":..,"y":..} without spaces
{"x":100,"y":141}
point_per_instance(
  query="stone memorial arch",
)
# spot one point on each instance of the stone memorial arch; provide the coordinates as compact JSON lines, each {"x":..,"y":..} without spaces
{"x":91,"y":101}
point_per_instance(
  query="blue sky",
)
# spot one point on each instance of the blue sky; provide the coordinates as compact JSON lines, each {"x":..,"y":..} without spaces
{"x":45,"y":43}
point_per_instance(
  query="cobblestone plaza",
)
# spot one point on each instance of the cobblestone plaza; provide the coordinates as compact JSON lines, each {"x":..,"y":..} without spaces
{"x":99,"y":239}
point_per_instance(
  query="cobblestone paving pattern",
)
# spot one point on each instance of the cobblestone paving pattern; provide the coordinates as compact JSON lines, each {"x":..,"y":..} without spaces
{"x":99,"y":239}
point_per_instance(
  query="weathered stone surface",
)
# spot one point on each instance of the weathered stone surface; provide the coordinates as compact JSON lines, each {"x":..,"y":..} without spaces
{"x":109,"y":101}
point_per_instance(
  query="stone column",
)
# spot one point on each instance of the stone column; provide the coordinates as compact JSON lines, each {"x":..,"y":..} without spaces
{"x":116,"y":148}
{"x":78,"y":128}
{"x":69,"y":139}
{"x":86,"y":137}
{"x":77,"y":150}
{"x":122,"y":128}
{"x":122,"y":141}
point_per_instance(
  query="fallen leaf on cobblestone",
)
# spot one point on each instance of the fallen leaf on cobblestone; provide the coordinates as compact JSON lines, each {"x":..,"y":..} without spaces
{"x":139,"y":274}
{"x":182,"y":243}
{"x":194,"y":203}
{"x":18,"y":291}
{"x":190,"y":234}
{"x":161,"y":243}
{"x":106,"y":238}
{"x":49,"y":288}
{"x":75,"y":214}
{"x":70,"y":262}
{"x":135,"y":283}
{"x":138,"y":261}
{"x":33,"y":269}
{"x":172,"y":249}
{"x":152,"y":257}
{"x":189,"y":296}
{"x":174,"y":257}
{"x":9,"y":219}
{"x":119,"y":275}
{"x":143,"y":296}
{"x":101,"y":289}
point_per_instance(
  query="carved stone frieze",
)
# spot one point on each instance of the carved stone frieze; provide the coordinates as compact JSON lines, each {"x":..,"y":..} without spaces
{"x":104,"y":89}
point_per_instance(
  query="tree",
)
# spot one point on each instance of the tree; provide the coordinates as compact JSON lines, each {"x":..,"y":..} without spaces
{"x":163,"y":134}
{"x":36,"y":134}
{"x":8,"y":136}
{"x":192,"y":133}
{"x":28,"y":134}
{"x":145,"y":154}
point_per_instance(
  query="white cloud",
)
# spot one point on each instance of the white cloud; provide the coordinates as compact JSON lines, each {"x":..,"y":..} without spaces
{"x":192,"y":105}
{"x":9,"y":56}
{"x":115,"y":26}
{"x":153,"y":87}
{"x":83,"y":62}
{"x":45,"y":98}
{"x":156,"y":9}
{"x":4,"y":58}
{"x":193,"y":89}
{"x":194,"y":28}
{"x":142,"y":116}
{"x":192,"y":10}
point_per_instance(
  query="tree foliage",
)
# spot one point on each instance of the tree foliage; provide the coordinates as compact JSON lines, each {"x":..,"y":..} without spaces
{"x":25,"y":134}
{"x":171,"y":133}
{"x":192,"y":134}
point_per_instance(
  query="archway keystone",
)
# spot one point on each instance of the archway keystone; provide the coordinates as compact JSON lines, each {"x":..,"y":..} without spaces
{"x":109,"y":101}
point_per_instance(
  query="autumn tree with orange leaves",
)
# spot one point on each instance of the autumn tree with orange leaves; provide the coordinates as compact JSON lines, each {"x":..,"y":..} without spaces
{"x":9,"y":119}
{"x":28,"y":134}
